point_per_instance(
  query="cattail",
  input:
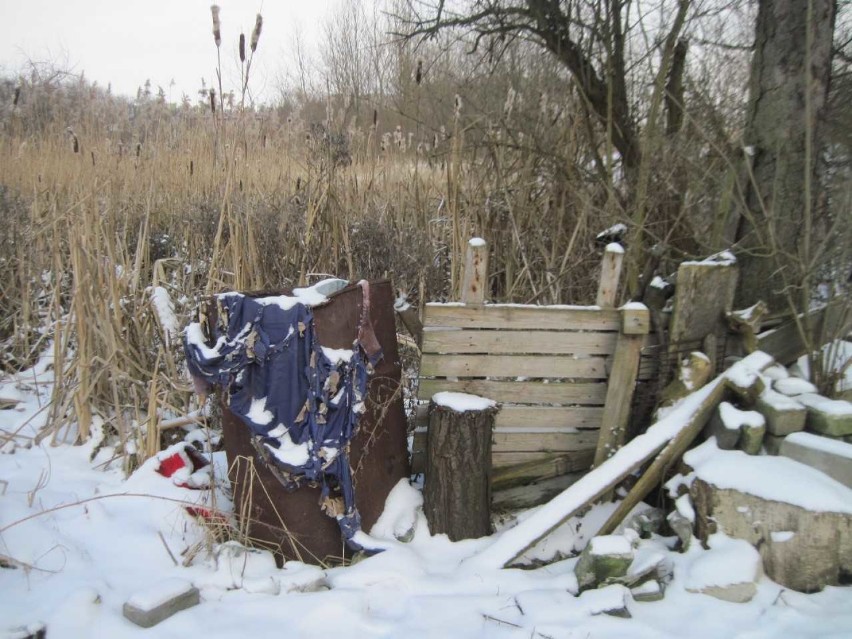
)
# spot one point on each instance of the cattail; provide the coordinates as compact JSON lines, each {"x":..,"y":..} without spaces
{"x":217,"y":27}
{"x":75,"y":143}
{"x":17,"y":96}
{"x":255,"y":35}
{"x":418,"y":75}
{"x":138,"y":149}
{"x":458,"y":106}
{"x":375,"y":118}
{"x":213,"y":101}
{"x":510,"y":102}
{"x":93,"y":157}
{"x":242,"y":47}
{"x":191,"y":168}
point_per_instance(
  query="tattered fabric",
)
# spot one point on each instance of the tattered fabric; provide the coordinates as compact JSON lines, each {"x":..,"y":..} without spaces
{"x":301,"y":402}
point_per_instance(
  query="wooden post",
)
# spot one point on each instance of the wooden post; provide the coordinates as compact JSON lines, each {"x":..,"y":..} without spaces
{"x":703,"y":295}
{"x":457,"y":487}
{"x":475,"y":280}
{"x":622,"y":379}
{"x":610,"y":274}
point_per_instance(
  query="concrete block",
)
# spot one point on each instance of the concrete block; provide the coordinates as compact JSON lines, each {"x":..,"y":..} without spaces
{"x":604,"y":560}
{"x":827,"y":416}
{"x":783,"y":414}
{"x":649,"y":591}
{"x":772,"y":443}
{"x":830,"y":456}
{"x":149,"y":607}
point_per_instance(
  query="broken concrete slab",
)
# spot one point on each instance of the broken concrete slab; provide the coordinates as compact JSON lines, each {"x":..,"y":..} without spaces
{"x":830,"y":456}
{"x":604,"y":559}
{"x":783,"y":414}
{"x":799,"y":518}
{"x":35,"y":630}
{"x":827,"y":416}
{"x":772,"y":443}
{"x":611,"y":600}
{"x":725,"y":430}
{"x":751,"y":439}
{"x":149,"y":607}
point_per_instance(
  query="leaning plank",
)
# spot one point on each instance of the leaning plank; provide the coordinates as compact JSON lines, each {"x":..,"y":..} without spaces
{"x":785,"y":342}
{"x":531,"y":494}
{"x":496,"y":342}
{"x":580,"y":393}
{"x":515,"y":541}
{"x":622,"y":381}
{"x":432,"y":365}
{"x":511,"y":316}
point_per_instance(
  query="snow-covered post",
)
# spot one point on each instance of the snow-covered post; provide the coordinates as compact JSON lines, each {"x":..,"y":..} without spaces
{"x":610,"y":275}
{"x":475,"y":280}
{"x":457,"y":487}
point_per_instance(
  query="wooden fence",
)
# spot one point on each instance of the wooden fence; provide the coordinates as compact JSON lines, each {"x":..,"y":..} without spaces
{"x":563,"y":375}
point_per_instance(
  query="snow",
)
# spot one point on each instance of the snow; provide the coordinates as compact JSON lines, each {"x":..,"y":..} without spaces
{"x":462,"y":402}
{"x":615,"y":229}
{"x":723,"y":258}
{"x":733,"y":418}
{"x":825,"y":444}
{"x":837,"y":407}
{"x":610,"y":545}
{"x":165,"y":309}
{"x":793,"y":386}
{"x":158,"y":594}
{"x":90,"y":538}
{"x":257,"y":411}
{"x":683,"y":505}
{"x":729,"y":561}
{"x":288,"y":452}
{"x":780,"y":402}
{"x":614,"y":247}
{"x":337,"y":355}
{"x":658,"y":282}
{"x":634,"y":306}
{"x":476,"y":242}
{"x":195,"y":336}
{"x":773,"y":478}
{"x":781,"y":536}
{"x":311,"y":296}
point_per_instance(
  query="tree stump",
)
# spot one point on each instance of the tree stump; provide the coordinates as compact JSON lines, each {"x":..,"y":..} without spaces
{"x":457,"y":488}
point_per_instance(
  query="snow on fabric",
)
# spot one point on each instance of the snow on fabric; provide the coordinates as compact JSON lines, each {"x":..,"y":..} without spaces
{"x":300,"y":401}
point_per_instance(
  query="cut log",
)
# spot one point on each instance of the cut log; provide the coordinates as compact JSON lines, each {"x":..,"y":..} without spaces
{"x":457,"y":486}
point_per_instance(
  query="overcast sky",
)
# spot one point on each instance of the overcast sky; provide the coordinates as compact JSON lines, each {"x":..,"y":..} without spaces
{"x":125,"y":42}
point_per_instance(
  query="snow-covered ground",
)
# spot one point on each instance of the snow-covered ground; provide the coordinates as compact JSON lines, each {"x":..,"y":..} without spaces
{"x":78,"y":540}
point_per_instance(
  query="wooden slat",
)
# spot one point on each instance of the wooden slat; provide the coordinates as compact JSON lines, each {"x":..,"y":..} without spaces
{"x":532,"y":442}
{"x":531,"y":417}
{"x":495,"y":342}
{"x":584,"y":393}
{"x":522,"y":317}
{"x":432,"y":365}
{"x":548,"y":464}
{"x":531,"y":495}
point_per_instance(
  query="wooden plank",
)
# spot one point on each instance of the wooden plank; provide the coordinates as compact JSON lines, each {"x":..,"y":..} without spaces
{"x":622,"y":381}
{"x":432,"y":365}
{"x":583,"y":393}
{"x":532,"y":494}
{"x":636,"y":319}
{"x":522,"y":317}
{"x":533,"y":417}
{"x":537,"y":465}
{"x":536,"y":442}
{"x":475,"y":279}
{"x":529,"y":441}
{"x":495,"y":342}
{"x":785,"y":342}
{"x":610,"y":274}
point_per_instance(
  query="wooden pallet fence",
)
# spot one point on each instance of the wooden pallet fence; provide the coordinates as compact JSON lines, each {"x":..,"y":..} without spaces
{"x":550,"y":369}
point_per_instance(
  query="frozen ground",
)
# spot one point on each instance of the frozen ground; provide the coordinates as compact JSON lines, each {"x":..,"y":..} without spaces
{"x":78,"y":539}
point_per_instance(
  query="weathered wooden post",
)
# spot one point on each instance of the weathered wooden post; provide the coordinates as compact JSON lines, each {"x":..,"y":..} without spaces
{"x":610,"y":275}
{"x":457,"y":487}
{"x":475,"y":280}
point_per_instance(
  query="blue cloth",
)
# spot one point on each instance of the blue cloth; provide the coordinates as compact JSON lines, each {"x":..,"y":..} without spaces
{"x":279,"y":380}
